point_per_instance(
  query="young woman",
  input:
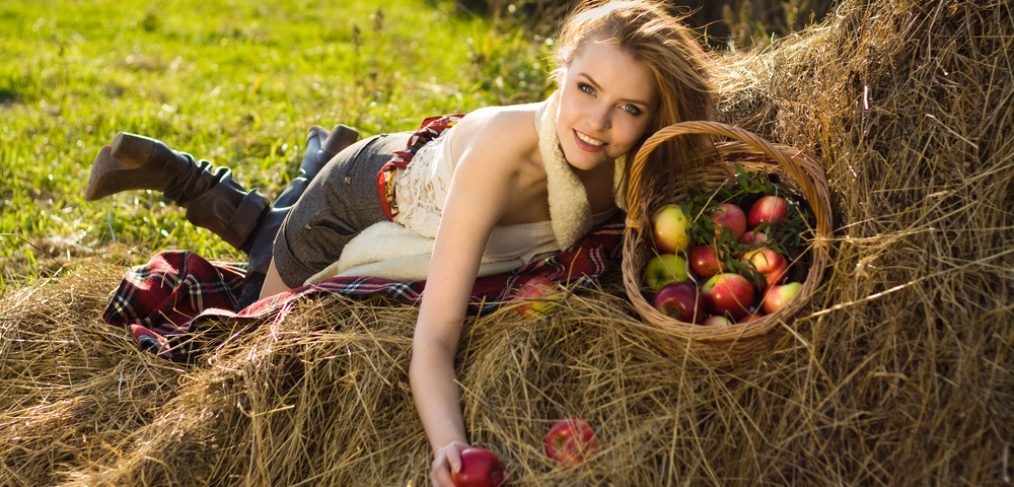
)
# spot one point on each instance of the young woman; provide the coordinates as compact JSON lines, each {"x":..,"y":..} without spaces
{"x":501,"y":184}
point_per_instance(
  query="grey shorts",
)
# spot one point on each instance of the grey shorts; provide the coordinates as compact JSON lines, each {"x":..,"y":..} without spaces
{"x":341,"y":201}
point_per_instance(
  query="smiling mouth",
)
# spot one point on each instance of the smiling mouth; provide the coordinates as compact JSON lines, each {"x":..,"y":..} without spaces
{"x":589,"y":141}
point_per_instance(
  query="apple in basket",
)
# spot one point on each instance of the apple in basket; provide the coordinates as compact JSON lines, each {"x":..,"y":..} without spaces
{"x":535,"y":296}
{"x":681,"y":301}
{"x":479,"y":468}
{"x":664,"y":269}
{"x":728,"y":294}
{"x":768,"y":209}
{"x":716,"y":320}
{"x":671,"y":229}
{"x":704,"y":261}
{"x":779,"y":296}
{"x":570,"y":440}
{"x":753,"y":237}
{"x":769,"y":263}
{"x":729,"y":216}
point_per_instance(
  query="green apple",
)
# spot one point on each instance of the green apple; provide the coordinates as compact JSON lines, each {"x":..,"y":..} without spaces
{"x":665,"y":269}
{"x":671,"y":229}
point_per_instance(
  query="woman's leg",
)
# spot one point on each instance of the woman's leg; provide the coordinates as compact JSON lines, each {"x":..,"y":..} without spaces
{"x":338,"y":204}
{"x":273,"y":283}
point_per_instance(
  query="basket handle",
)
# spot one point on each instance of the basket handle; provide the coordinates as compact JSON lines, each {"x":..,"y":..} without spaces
{"x":635,"y":218}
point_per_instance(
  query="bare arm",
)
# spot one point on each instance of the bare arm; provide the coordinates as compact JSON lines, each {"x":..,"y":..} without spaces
{"x":479,"y":192}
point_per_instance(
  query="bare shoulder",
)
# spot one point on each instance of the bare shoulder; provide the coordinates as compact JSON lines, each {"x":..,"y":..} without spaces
{"x":501,"y":133}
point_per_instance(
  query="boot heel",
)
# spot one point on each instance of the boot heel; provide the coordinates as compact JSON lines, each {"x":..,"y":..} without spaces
{"x":341,"y":136}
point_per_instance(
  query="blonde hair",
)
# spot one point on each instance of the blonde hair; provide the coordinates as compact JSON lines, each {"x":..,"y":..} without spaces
{"x":669,"y":49}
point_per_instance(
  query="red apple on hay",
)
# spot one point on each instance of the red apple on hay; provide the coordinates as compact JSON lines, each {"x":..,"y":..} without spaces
{"x":479,"y":468}
{"x":535,"y":293}
{"x":768,"y":209}
{"x":728,"y":294}
{"x":681,"y":301}
{"x":704,"y":261}
{"x":570,"y":440}
{"x":769,"y":263}
{"x":729,"y":216}
{"x":716,"y":320}
{"x":664,"y":269}
{"x":779,"y":296}
{"x":670,"y":228}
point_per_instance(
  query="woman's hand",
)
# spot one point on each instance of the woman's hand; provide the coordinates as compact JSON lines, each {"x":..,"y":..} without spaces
{"x":447,"y":459}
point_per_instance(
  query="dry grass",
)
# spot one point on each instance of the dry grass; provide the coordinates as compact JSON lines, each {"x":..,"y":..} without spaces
{"x":900,"y":372}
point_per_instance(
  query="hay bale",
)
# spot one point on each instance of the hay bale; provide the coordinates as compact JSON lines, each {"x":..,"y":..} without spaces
{"x":901,"y":372}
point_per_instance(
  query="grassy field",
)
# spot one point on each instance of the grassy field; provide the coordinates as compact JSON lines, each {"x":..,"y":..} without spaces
{"x":230,"y":81}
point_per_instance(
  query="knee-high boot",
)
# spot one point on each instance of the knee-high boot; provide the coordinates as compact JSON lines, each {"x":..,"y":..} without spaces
{"x":212,"y":199}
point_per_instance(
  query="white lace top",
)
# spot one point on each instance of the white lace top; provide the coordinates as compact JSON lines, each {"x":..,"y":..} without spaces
{"x":421,"y":190}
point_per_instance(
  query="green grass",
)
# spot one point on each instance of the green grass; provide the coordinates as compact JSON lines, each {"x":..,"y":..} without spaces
{"x":234,"y":82}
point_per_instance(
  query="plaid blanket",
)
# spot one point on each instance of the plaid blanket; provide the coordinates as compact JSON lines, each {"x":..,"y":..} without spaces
{"x":162,"y":302}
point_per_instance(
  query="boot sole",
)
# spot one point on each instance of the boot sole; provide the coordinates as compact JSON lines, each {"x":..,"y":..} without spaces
{"x":107,"y":175}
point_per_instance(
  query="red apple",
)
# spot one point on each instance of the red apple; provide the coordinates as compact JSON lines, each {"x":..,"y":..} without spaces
{"x":779,"y":296}
{"x":670,"y":228}
{"x":569,"y":441}
{"x":681,"y":301}
{"x":704,"y":261}
{"x":664,"y":269}
{"x":729,"y":216}
{"x":768,"y":262}
{"x":535,"y":293}
{"x":716,"y":320}
{"x":756,"y":315}
{"x":479,"y":468}
{"x":768,"y":209}
{"x":728,"y":294}
{"x":752,"y":237}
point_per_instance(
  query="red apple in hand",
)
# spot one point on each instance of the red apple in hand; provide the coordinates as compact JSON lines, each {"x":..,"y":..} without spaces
{"x":570,"y":440}
{"x":704,"y":261}
{"x":670,"y":228}
{"x":664,"y":269}
{"x":728,"y":294}
{"x":680,"y":301}
{"x":780,"y":296}
{"x":729,"y":216}
{"x":769,"y":263}
{"x":768,"y":209}
{"x":535,"y":294}
{"x":479,"y":468}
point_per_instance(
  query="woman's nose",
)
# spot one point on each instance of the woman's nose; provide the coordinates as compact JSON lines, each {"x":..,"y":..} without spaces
{"x":599,"y":117}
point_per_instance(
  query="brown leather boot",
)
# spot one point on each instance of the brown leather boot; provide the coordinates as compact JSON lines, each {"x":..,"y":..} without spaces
{"x":212,"y":199}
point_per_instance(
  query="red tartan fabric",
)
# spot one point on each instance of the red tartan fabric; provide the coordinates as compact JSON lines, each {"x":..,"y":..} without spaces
{"x":162,"y":301}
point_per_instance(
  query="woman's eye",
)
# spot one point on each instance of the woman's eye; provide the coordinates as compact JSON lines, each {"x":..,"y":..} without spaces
{"x":632,"y":109}
{"x":586,"y":88}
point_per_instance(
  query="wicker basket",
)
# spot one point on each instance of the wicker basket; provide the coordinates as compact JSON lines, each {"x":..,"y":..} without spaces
{"x":796,"y":171}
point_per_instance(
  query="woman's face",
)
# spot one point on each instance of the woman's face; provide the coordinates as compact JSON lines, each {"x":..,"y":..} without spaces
{"x":607,"y":101}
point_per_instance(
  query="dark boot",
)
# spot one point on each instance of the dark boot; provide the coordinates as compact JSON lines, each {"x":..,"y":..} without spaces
{"x":212,"y":200}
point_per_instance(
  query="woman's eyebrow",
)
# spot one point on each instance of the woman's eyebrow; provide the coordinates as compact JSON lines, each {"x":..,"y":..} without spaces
{"x":592,"y":82}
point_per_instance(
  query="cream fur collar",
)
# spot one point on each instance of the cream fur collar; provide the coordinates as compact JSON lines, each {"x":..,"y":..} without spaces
{"x":569,"y":209}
